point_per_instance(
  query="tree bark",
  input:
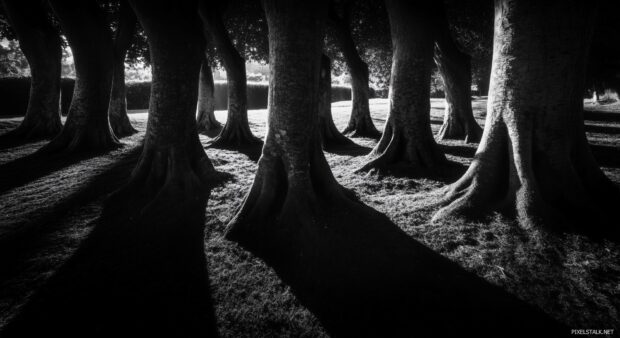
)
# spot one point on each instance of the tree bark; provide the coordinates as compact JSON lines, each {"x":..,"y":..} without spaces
{"x":87,"y":126}
{"x":407,"y":142}
{"x":206,"y":101}
{"x":293,"y":180}
{"x":236,"y":132}
{"x":40,"y":43}
{"x":455,"y":69}
{"x":118,"y":101}
{"x":173,"y":160}
{"x":534,"y":161}
{"x":360,"y":122}
{"x":330,"y":135}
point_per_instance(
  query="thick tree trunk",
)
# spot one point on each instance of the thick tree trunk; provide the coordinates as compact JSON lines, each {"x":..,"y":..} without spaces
{"x":205,"y":109}
{"x":330,"y":135}
{"x":173,"y":159}
{"x":40,"y":43}
{"x":118,"y":100}
{"x":360,"y":122}
{"x":352,"y":267}
{"x":534,"y":160}
{"x":236,"y":132}
{"x":87,"y":126}
{"x":407,"y":142}
{"x":455,"y":69}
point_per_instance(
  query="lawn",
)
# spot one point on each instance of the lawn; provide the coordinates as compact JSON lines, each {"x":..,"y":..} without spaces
{"x":49,"y":208}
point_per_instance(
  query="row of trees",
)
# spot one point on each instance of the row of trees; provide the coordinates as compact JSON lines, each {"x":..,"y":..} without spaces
{"x":236,"y":31}
{"x":533,"y":159}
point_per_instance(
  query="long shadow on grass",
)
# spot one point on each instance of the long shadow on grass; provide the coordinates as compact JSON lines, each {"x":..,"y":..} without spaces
{"x":8,"y":141}
{"x":141,"y":272}
{"x":34,"y":166}
{"x":252,"y":151}
{"x":458,"y":150}
{"x":362,"y":276}
{"x":593,"y":115}
{"x":353,"y":149}
{"x":602,"y":129}
{"x":18,"y":241}
{"x":606,"y":156}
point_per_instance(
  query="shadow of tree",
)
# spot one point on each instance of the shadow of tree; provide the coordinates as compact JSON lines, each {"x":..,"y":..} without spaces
{"x":141,"y":272}
{"x":23,"y":238}
{"x":353,"y":149}
{"x":363,"y":276}
{"x":593,"y":115}
{"x":590,"y":128}
{"x":606,"y":156}
{"x":36,"y":165}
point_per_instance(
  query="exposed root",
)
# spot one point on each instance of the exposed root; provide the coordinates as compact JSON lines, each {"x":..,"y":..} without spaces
{"x":206,"y":122}
{"x":398,"y":154}
{"x":29,"y":130}
{"x":82,"y":138}
{"x":121,"y":126}
{"x":455,"y":130}
{"x":235,"y":136}
{"x":330,"y":136}
{"x":361,"y":126}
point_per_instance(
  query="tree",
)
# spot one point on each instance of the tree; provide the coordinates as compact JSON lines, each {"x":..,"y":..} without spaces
{"x":173,"y":162}
{"x":455,"y":69}
{"x":534,"y":161}
{"x":236,"y":131}
{"x":407,"y":140}
{"x":87,"y":126}
{"x":360,"y":122}
{"x":293,"y":181}
{"x":125,"y":32}
{"x":41,"y":45}
{"x":330,"y":135}
{"x":206,"y":101}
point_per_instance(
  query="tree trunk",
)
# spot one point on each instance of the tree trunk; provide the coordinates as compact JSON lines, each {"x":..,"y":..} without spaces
{"x":360,"y":122}
{"x":455,"y":69}
{"x":353,"y":268}
{"x":330,"y":135}
{"x":173,"y":160}
{"x":236,"y":132}
{"x":407,"y":142}
{"x":87,"y":126}
{"x":40,"y":43}
{"x":534,"y":160}
{"x":206,"y":101}
{"x":118,"y":100}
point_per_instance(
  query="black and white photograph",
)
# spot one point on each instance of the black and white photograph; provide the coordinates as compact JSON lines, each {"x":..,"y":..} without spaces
{"x":324,"y":168}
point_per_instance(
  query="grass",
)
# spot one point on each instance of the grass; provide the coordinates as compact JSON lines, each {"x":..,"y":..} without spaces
{"x":572,"y":278}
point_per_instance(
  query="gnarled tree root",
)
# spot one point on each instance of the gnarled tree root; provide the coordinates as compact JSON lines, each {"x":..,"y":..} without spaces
{"x":84,"y":138}
{"x":397,"y":154}
{"x":121,"y":126}
{"x":235,"y":136}
{"x":361,"y":126}
{"x":455,"y":130}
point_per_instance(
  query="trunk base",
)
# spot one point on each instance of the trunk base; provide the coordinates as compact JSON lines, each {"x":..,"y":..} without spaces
{"x":362,"y":127}
{"x":454,"y":130}
{"x":235,"y":136}
{"x":397,"y":154}
{"x":331,"y":136}
{"x":35,"y":130}
{"x":121,"y":126}
{"x":82,"y":138}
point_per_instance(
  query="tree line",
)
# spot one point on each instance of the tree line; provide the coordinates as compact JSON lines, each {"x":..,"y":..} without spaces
{"x":533,"y":162}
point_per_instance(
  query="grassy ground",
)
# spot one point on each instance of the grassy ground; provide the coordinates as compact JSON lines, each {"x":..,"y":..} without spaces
{"x":49,"y":208}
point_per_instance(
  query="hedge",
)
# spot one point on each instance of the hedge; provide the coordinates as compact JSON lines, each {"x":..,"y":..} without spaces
{"x":14,"y":95}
